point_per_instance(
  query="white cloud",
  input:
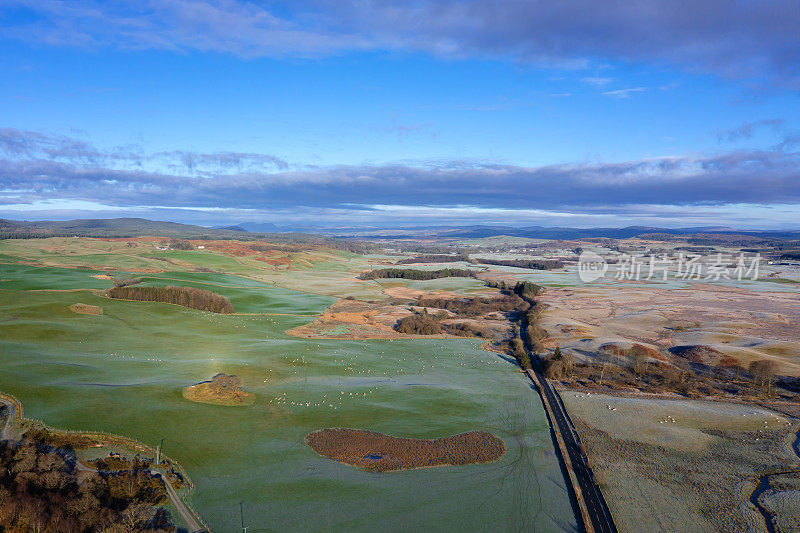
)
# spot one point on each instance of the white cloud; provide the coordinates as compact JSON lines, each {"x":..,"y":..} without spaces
{"x":625,"y":93}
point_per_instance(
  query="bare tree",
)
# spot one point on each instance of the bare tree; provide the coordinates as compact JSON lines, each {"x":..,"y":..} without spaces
{"x":605,"y":358}
{"x":639,"y":360}
{"x":763,"y":371}
{"x":569,"y":363}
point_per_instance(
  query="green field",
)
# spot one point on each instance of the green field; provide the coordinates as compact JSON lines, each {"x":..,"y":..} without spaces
{"x":123,"y":372}
{"x":323,"y":272}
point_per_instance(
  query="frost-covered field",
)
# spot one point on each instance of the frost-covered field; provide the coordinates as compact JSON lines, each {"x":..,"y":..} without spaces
{"x":683,"y":465}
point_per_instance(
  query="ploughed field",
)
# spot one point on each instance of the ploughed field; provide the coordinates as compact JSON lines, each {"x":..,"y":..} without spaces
{"x":382,"y":453}
{"x":123,"y":371}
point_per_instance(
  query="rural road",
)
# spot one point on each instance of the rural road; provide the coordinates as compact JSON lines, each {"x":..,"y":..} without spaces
{"x":183,"y":511}
{"x":5,"y":434}
{"x":601,"y":519}
{"x":599,"y":515}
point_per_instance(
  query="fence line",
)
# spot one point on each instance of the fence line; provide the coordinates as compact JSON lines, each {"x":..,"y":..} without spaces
{"x":15,"y":401}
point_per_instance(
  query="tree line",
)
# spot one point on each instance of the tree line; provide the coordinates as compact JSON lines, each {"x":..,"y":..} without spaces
{"x":416,"y":274}
{"x":126,"y":282}
{"x":178,"y":244}
{"x":528,"y":334}
{"x":183,"y":296}
{"x":420,"y":324}
{"x":527,"y":290}
{"x":518,"y":299}
{"x":531,"y":264}
{"x":636,"y":367}
{"x":434,"y":258}
{"x":472,"y":307}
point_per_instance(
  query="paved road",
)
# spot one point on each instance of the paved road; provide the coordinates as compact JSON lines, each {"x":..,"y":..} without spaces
{"x":599,"y":515}
{"x":601,"y":519}
{"x":186,"y":515}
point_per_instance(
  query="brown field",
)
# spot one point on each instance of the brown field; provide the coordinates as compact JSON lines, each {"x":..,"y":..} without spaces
{"x":86,"y":309}
{"x":403,"y":292}
{"x":383,"y":453}
{"x":355,"y":319}
{"x":406,"y":293}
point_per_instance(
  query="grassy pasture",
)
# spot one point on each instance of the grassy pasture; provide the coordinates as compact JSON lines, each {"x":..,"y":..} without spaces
{"x":26,"y":278}
{"x":257,"y":298}
{"x":124,"y":371}
{"x":323,"y":272}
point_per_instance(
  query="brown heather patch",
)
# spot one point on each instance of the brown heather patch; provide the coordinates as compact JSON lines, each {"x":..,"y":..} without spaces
{"x":380,"y":452}
{"x":699,"y":353}
{"x":403,"y":292}
{"x":86,"y":309}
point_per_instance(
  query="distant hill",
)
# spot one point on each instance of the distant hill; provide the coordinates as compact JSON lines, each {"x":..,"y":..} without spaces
{"x":230,"y":228}
{"x":449,"y":233}
{"x":135,"y":227}
{"x":107,"y":227}
{"x":117,"y":227}
{"x":258,"y":227}
{"x":138,"y":227}
{"x":538,"y":232}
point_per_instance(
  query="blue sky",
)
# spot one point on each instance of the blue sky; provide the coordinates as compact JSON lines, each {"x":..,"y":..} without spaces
{"x":388,"y":113}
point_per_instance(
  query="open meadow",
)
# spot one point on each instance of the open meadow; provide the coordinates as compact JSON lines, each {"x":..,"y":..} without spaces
{"x":123,"y":371}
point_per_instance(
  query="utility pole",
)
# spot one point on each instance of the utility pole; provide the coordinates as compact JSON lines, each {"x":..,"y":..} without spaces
{"x":241,"y":512}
